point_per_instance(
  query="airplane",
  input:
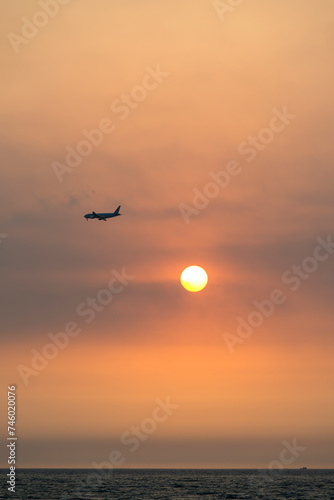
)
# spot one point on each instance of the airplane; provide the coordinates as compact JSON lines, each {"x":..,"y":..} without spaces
{"x":103,"y":216}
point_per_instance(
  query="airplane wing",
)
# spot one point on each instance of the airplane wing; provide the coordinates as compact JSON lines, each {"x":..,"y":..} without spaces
{"x":98,"y":217}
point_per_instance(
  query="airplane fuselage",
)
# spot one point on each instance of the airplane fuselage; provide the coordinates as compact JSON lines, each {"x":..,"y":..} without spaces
{"x":100,"y":216}
{"x":103,"y":216}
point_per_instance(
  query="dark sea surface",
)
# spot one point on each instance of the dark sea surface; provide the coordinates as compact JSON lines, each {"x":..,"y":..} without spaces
{"x":171,"y":484}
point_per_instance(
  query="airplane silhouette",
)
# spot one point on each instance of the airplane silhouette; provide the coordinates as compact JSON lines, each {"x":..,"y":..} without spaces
{"x":103,"y":216}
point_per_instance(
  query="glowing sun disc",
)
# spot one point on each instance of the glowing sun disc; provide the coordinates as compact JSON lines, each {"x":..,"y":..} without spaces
{"x":194,"y":278}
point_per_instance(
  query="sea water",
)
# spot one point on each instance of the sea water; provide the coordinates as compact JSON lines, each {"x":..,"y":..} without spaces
{"x":170,"y":484}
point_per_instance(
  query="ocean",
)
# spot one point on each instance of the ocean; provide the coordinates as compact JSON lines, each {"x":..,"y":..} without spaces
{"x":170,"y":484}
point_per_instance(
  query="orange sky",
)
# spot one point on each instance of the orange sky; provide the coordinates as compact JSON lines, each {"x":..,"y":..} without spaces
{"x":181,"y":95}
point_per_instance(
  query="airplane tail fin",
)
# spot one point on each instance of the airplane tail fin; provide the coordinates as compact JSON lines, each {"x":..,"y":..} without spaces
{"x":117,"y":210}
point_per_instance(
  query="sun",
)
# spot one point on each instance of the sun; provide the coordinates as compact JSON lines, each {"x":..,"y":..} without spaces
{"x":194,"y":278}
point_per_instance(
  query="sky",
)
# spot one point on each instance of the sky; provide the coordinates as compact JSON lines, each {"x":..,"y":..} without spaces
{"x":211,"y":125}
